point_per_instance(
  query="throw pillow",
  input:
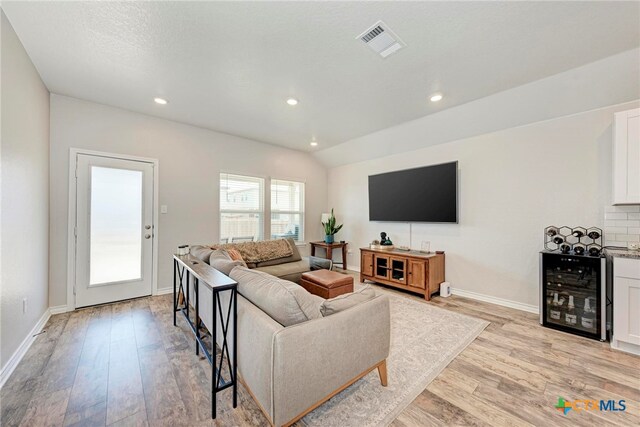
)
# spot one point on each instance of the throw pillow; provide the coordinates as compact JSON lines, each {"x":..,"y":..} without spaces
{"x":285,"y":302}
{"x":235,"y":255}
{"x":221,"y":261}
{"x":346,"y":301}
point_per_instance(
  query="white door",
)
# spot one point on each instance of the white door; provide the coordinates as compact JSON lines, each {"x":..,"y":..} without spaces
{"x":114,"y":229}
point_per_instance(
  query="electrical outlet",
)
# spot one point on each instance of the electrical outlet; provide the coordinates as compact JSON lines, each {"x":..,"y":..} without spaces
{"x":24,"y":305}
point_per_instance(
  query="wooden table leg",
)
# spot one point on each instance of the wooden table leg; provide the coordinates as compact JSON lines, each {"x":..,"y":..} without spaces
{"x":344,"y":256}
{"x":329,"y":253}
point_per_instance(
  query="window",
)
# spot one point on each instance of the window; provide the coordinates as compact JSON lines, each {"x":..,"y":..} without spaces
{"x":287,"y":209}
{"x":241,"y":208}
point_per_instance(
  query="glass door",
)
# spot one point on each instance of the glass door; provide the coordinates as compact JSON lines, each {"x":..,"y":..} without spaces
{"x":382,"y":267}
{"x":572,"y":295}
{"x":114,"y":229}
{"x":398,"y":270}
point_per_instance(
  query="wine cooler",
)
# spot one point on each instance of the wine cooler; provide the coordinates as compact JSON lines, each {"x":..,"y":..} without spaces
{"x":573,"y":293}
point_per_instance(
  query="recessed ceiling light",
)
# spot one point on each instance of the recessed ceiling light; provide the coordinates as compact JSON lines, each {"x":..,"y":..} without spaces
{"x":436,"y":97}
{"x":292,"y":101}
{"x":313,"y":143}
{"x":160,"y":101}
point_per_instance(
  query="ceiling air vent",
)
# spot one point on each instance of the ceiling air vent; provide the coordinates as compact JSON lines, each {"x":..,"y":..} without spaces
{"x":381,"y":39}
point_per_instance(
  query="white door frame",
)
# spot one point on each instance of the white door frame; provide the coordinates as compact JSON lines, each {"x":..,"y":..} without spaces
{"x":71,"y":233}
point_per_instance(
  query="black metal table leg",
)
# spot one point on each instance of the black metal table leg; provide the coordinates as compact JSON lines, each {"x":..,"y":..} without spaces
{"x":234,"y":296}
{"x":186,"y":297}
{"x":195,"y":289}
{"x":175,"y":300}
{"x":214,"y":338}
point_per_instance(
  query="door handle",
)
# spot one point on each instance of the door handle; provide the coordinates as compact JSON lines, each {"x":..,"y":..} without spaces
{"x":147,"y":236}
{"x":147,"y":227}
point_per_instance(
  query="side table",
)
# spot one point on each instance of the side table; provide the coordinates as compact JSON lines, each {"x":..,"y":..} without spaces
{"x":329,"y":247}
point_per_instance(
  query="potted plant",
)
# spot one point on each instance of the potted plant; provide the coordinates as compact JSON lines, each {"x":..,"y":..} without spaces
{"x":330,"y":228}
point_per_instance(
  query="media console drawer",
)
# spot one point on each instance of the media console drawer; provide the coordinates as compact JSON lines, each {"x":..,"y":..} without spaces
{"x":409,"y":270}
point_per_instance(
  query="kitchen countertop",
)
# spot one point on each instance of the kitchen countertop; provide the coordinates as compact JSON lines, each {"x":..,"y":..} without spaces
{"x":622,"y":253}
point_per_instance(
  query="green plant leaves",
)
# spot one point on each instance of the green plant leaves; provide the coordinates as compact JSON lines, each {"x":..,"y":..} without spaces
{"x":330,"y":227}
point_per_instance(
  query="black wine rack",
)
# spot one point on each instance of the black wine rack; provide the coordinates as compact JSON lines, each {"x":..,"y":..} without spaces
{"x":571,"y":240}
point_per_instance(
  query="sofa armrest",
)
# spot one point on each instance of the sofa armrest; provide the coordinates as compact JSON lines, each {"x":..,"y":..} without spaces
{"x":316,"y":263}
{"x":313,"y":359}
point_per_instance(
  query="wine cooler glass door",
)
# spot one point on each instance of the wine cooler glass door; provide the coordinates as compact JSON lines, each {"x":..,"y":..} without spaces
{"x":571,"y":294}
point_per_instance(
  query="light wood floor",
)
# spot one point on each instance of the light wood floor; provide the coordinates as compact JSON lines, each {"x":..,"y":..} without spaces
{"x":125,"y":364}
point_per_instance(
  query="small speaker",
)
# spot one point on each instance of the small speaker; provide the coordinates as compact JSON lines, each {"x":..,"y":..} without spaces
{"x":445,"y":289}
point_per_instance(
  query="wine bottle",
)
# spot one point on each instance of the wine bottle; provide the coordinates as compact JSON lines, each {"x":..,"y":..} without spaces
{"x":558,"y":240}
{"x":565,"y":248}
{"x":595,"y":250}
{"x":588,"y":318}
{"x":551,"y":231}
{"x":579,"y":249}
{"x":570,"y":316}
{"x":593,"y":234}
{"x":578,"y":233}
{"x":555,"y":312}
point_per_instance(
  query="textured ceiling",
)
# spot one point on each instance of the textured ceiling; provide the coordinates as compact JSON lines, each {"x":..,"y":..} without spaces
{"x":230,"y":66}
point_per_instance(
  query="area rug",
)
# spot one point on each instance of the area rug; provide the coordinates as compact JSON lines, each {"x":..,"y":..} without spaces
{"x":424,"y":340}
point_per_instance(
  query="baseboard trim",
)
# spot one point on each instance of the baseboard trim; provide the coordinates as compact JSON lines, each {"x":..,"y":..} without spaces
{"x":59,"y":309}
{"x":626,"y":347}
{"x":17,"y":356}
{"x":163,"y":291}
{"x":495,"y":300}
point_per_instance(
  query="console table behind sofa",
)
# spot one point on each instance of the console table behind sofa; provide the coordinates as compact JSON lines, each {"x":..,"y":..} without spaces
{"x":185,"y":266}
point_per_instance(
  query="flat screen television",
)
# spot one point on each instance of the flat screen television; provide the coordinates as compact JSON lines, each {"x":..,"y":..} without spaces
{"x":424,"y":194}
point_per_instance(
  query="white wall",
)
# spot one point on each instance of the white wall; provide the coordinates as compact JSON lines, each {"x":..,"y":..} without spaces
{"x":512,"y":183}
{"x":25,"y":194}
{"x":190,"y":161}
{"x":609,"y":81}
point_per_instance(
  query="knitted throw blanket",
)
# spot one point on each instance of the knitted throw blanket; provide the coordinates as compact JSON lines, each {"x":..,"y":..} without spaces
{"x":259,"y":251}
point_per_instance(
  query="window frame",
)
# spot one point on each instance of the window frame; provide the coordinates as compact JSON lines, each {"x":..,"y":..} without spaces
{"x":265,"y":209}
{"x":303,"y":201}
{"x":261,"y":211}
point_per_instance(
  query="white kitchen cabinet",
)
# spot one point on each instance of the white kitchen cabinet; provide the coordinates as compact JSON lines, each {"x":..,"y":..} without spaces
{"x":626,"y":305}
{"x":626,"y":157}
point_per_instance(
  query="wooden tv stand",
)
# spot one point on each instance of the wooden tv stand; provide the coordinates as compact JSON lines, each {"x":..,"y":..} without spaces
{"x":413,"y":271}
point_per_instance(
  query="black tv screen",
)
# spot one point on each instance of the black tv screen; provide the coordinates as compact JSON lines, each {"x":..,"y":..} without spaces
{"x":425,"y":194}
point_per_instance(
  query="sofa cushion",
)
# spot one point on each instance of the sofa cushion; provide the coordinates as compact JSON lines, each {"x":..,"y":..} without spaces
{"x":288,"y":268}
{"x":295,"y":256}
{"x":284,"y":301}
{"x":346,"y":301}
{"x":264,"y":250}
{"x":201,"y":252}
{"x":221,"y":261}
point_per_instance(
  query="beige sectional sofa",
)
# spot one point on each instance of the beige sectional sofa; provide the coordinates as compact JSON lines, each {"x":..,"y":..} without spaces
{"x":291,"y":357}
{"x":288,"y":268}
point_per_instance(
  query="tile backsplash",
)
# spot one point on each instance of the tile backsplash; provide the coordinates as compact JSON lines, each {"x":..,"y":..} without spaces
{"x":621,"y":225}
